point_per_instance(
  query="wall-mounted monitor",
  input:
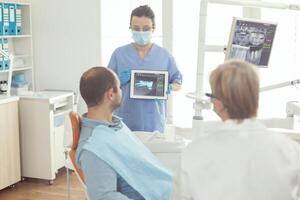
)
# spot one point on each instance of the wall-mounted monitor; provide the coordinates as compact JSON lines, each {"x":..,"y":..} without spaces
{"x":148,"y":84}
{"x":251,"y":40}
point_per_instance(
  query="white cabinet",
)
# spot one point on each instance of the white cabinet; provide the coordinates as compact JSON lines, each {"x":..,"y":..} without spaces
{"x":167,"y":150}
{"x":20,"y":46}
{"x":42,"y":132}
{"x":10,"y":172}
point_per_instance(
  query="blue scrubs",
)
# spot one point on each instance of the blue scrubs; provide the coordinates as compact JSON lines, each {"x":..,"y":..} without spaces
{"x":143,"y":114}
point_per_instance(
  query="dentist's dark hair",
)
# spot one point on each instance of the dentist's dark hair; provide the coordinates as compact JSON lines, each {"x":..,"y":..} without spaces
{"x":143,"y":11}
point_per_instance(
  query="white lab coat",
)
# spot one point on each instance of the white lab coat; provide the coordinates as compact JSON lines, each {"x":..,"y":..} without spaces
{"x":239,"y":162}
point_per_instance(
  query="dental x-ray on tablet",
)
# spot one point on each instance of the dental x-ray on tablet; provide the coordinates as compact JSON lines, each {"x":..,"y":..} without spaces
{"x":251,"y":40}
{"x":147,"y":84}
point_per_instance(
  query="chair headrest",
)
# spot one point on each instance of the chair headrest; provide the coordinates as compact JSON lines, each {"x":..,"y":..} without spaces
{"x":75,"y":122}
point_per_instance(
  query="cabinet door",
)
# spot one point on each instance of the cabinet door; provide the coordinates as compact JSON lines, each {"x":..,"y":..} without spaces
{"x":9,"y":144}
{"x":59,"y":147}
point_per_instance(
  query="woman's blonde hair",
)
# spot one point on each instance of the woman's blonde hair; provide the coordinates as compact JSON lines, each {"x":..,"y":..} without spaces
{"x":236,"y":85}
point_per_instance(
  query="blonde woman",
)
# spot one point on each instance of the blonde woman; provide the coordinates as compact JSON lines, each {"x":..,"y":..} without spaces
{"x":241,"y":159}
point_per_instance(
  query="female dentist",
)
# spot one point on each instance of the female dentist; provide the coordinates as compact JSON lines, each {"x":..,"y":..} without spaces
{"x":143,"y":114}
{"x":240,"y":159}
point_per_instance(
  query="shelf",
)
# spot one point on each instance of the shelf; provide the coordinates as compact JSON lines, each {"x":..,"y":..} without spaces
{"x":22,"y":56}
{"x":15,"y":36}
{"x":22,"y":68}
{"x":4,"y":71}
{"x":17,"y":69}
{"x":20,"y":46}
{"x":25,"y":3}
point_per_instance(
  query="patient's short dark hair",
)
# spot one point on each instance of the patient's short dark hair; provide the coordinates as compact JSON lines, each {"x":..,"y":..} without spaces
{"x":94,"y":83}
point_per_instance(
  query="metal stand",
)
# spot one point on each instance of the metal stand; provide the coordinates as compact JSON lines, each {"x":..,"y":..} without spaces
{"x":68,"y":177}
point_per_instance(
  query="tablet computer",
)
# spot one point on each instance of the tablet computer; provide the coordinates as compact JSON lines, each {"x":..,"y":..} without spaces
{"x":251,"y":40}
{"x":148,"y":84}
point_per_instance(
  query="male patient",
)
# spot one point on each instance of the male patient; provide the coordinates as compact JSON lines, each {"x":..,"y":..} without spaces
{"x":115,"y":164}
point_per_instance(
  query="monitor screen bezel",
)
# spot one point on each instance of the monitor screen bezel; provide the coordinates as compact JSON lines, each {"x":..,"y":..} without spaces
{"x":232,"y":34}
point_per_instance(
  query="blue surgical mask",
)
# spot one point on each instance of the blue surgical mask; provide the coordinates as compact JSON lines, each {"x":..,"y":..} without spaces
{"x":142,"y":38}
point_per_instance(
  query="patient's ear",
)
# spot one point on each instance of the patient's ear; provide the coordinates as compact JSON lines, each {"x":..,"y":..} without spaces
{"x":110,"y":94}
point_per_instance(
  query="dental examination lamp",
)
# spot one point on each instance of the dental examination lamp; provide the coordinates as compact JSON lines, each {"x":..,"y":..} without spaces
{"x":10,"y":58}
{"x":279,"y":85}
{"x":200,"y":101}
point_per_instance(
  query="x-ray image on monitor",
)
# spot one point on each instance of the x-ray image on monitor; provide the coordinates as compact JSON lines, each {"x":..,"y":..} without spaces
{"x":148,"y":84}
{"x":251,"y":40}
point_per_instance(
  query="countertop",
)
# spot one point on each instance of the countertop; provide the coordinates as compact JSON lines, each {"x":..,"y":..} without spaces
{"x":8,"y":99}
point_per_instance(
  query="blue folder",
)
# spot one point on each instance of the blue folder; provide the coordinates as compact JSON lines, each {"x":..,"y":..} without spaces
{"x":1,"y":19}
{"x":6,"y":62}
{"x":18,"y":19}
{"x":12,"y":19}
{"x":1,"y":56}
{"x":5,"y":14}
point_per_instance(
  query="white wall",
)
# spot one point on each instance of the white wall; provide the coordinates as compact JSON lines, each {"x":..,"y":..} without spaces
{"x":66,"y":41}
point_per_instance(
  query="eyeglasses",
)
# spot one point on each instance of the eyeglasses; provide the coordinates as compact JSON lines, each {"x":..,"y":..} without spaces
{"x":144,"y":29}
{"x":211,"y":96}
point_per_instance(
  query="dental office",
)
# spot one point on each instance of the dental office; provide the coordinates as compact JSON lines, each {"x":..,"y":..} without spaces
{"x":150,"y":99}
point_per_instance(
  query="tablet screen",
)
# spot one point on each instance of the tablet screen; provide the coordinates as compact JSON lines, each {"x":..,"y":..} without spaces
{"x":147,"y":84}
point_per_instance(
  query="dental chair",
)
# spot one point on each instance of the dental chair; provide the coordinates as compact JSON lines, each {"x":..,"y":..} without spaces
{"x":75,"y":126}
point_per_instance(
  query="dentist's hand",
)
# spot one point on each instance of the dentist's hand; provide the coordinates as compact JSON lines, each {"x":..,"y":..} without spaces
{"x":170,"y":89}
{"x":124,"y":76}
